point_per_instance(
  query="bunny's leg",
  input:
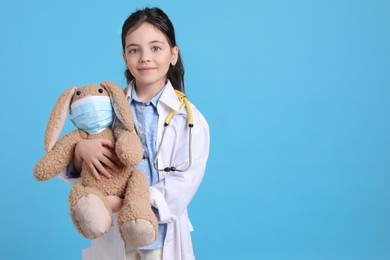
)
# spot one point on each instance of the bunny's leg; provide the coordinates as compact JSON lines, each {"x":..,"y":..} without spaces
{"x":90,"y":211}
{"x":137,"y":222}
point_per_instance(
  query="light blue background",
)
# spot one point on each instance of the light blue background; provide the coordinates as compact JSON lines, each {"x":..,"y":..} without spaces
{"x":297,"y":97}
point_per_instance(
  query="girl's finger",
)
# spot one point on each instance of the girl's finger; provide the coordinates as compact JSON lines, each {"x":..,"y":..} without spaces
{"x":107,"y":143}
{"x":110,"y":154}
{"x":94,"y":172}
{"x":102,"y":170}
{"x":110,"y":164}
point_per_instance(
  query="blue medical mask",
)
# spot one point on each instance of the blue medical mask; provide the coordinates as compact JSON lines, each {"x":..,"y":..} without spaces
{"x":92,"y":114}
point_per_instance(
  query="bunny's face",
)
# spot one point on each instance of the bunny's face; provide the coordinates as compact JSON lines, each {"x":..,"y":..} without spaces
{"x":111,"y":98}
{"x":91,"y":109}
{"x":89,"y":90}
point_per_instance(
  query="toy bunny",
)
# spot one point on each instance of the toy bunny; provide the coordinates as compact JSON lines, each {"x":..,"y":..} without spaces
{"x":92,"y":109}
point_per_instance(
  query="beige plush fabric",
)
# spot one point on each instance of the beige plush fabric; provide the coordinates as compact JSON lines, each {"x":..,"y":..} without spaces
{"x":137,"y":222}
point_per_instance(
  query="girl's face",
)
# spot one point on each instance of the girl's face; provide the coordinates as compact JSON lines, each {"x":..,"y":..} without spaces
{"x":148,"y":55}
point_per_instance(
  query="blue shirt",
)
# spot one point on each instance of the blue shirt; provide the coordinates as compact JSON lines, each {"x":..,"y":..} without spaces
{"x":146,"y":120}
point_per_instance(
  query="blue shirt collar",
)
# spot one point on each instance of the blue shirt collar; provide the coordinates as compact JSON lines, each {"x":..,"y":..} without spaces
{"x":153,"y":101}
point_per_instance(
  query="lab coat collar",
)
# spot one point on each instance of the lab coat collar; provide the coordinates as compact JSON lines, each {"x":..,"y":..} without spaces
{"x":169,"y":97}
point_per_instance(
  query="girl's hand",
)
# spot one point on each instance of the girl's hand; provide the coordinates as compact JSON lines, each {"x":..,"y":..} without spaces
{"x":116,"y":203}
{"x":96,"y":153}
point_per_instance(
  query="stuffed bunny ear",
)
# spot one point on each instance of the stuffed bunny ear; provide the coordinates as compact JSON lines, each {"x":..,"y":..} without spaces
{"x":57,"y":118}
{"x":120,"y":104}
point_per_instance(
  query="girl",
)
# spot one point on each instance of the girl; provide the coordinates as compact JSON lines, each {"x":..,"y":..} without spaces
{"x":154,"y":70}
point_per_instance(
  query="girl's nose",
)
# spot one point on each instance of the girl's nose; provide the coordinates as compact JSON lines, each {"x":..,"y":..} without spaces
{"x":144,"y":57}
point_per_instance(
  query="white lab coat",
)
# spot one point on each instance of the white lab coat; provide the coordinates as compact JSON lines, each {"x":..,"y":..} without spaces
{"x":175,"y":191}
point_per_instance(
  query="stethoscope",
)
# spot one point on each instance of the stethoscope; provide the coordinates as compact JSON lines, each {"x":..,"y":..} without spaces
{"x":183,"y":101}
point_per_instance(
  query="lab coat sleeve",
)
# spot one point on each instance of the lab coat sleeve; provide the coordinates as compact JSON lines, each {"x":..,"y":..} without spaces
{"x":70,"y":175}
{"x":172,"y":195}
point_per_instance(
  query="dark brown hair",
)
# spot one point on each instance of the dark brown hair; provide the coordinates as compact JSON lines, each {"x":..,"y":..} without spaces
{"x":156,"y":17}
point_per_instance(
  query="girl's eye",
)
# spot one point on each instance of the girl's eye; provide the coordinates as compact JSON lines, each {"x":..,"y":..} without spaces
{"x":132,"y":51}
{"x":156,"y":48}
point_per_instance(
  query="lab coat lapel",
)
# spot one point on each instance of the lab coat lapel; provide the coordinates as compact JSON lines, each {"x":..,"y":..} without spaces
{"x":166,"y":103}
{"x":169,"y":98}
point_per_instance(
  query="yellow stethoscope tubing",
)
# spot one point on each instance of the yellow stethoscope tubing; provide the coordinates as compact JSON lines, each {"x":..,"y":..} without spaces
{"x":183,"y":101}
